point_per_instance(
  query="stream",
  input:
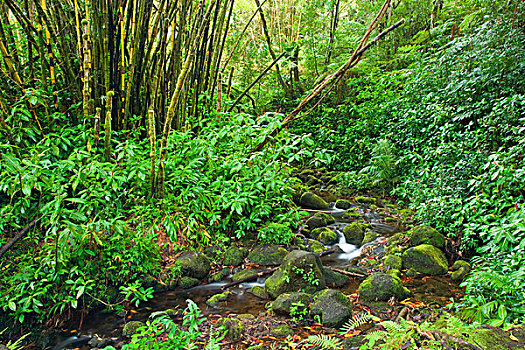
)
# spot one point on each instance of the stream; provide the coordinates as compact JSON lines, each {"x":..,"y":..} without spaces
{"x":240,"y":301}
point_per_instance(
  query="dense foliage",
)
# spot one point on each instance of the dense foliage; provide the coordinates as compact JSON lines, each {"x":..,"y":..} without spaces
{"x":446,"y":133}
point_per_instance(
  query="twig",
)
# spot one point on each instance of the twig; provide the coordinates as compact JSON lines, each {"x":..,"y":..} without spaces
{"x":352,"y":274}
{"x":18,"y":236}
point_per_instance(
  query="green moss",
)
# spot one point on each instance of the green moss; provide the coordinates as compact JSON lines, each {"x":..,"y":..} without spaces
{"x":365,"y":200}
{"x":369,"y":237}
{"x":259,"y":291}
{"x":382,"y":287}
{"x":426,"y":235}
{"x":315,"y":246}
{"x":188,"y":282}
{"x":319,"y":220}
{"x":282,"y":331}
{"x":325,"y":235}
{"x":131,"y":327}
{"x":267,"y":254}
{"x":244,"y":274}
{"x":233,"y":256}
{"x":460,"y":270}
{"x":343,"y":204}
{"x":351,"y":213}
{"x":393,"y":262}
{"x":313,"y":201}
{"x":425,"y":259}
{"x":284,"y":302}
{"x":354,"y":233}
{"x":234,"y":326}
{"x":219,"y":275}
{"x":214,"y":300}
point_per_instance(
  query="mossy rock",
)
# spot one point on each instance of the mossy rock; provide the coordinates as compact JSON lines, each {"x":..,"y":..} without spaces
{"x":351,"y":213}
{"x":219,"y":275}
{"x":282,"y":331}
{"x":370,"y":236}
{"x":359,"y":270}
{"x":315,"y":246}
{"x":259,"y":292}
{"x":343,"y":204}
{"x":311,"y":180}
{"x":354,"y":233}
{"x":325,"y":235}
{"x":393,"y":262}
{"x":300,"y":271}
{"x":188,"y":282}
{"x":425,"y":259}
{"x":460,"y":269}
{"x":365,"y":200}
{"x":214,"y":300}
{"x":284,"y":302}
{"x":332,"y":306}
{"x":303,"y":174}
{"x":394,"y":273}
{"x":382,"y":287}
{"x":426,"y":235}
{"x":328,"y":196}
{"x":244,"y":274}
{"x":319,"y":220}
{"x":313,"y":201}
{"x":234,"y":327}
{"x":267,"y":255}
{"x":233,"y":256}
{"x":335,"y":278}
{"x":131,"y":327}
{"x":194,"y":264}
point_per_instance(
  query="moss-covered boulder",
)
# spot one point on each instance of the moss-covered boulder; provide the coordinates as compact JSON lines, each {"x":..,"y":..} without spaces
{"x":315,"y":246}
{"x":219,"y":275}
{"x":319,"y":220}
{"x":313,"y":201}
{"x":214,"y":300}
{"x":333,"y":278}
{"x":234,"y":327}
{"x":382,"y":287}
{"x":325,"y":235}
{"x":343,"y":204}
{"x":311,"y":180}
{"x":194,"y":264}
{"x":426,"y":235}
{"x":131,"y":327}
{"x":284,"y":303}
{"x":370,"y":236}
{"x":267,"y":255}
{"x":300,"y":271}
{"x":392,"y":262}
{"x":460,"y":269}
{"x":425,"y":259}
{"x":245,"y":274}
{"x":365,"y":200}
{"x":332,"y":306}
{"x":188,"y":282}
{"x":351,"y":214}
{"x":233,"y":256}
{"x":354,"y":233}
{"x":259,"y":292}
{"x":282,"y":330}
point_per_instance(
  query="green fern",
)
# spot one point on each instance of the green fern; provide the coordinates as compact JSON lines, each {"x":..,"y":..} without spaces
{"x":357,"y":321}
{"x":17,"y":344}
{"x":324,"y":342}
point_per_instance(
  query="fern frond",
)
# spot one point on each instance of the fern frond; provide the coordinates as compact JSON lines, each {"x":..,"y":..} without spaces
{"x":324,"y":342}
{"x":392,"y":326}
{"x":356,"y":322}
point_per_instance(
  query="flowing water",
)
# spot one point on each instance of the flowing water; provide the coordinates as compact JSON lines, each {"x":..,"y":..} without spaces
{"x":240,"y":301}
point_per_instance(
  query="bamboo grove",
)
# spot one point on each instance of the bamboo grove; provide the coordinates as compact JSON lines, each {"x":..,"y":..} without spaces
{"x":121,"y":58}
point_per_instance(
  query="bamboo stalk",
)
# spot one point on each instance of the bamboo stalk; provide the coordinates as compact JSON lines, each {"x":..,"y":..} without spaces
{"x":107,"y":126}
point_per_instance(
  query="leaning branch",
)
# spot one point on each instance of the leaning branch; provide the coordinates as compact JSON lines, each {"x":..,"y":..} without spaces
{"x":18,"y":236}
{"x":331,"y":80}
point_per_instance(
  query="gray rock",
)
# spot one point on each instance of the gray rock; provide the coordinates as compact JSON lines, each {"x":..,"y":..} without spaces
{"x":194,"y":264}
{"x":382,"y":287}
{"x":267,"y":255}
{"x":332,"y":306}
{"x":284,"y":302}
